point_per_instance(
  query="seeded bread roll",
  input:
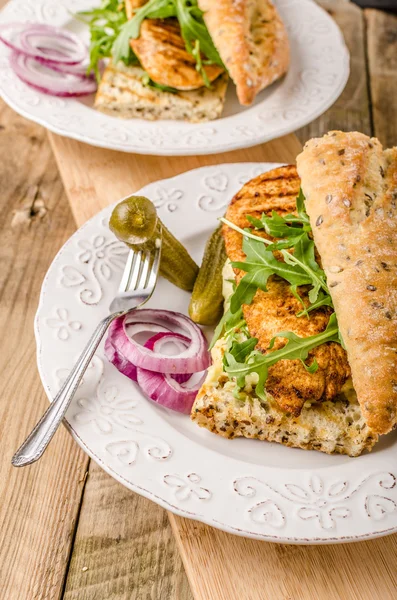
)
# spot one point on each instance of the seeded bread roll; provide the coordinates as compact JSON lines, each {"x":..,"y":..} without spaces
{"x":350,"y":184}
{"x":251,"y":40}
{"x":333,"y":427}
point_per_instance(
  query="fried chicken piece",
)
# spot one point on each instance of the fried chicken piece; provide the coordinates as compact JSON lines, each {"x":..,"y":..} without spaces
{"x":275,"y":310}
{"x":161,"y":51}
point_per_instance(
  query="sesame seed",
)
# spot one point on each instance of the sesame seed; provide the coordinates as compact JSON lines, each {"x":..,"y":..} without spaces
{"x":328,"y":198}
{"x":371,"y":288}
{"x":347,"y":202}
{"x":319,"y":220}
{"x":335,"y":269}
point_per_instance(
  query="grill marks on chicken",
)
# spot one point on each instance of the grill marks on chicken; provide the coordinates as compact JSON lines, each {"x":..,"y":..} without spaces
{"x":161,"y":51}
{"x":275,"y":310}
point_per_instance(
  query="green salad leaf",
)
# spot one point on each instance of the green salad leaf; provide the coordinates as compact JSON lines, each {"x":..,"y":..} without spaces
{"x":193,"y":29}
{"x":295,"y":348}
{"x":154,"y":9}
{"x":291,"y":256}
{"x":298,"y":268}
{"x":105,"y":24}
{"x":157,"y":86}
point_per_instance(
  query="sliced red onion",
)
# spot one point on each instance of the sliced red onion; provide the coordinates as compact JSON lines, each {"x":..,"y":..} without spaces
{"x":164,"y":390}
{"x":157,"y":341}
{"x":193,"y":359}
{"x":119,"y":361}
{"x":44,"y":42}
{"x":128,"y":369}
{"x":80,"y":69}
{"x":49,"y":81}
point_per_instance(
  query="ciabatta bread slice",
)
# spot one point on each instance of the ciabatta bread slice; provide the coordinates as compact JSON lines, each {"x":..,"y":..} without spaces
{"x":121,"y":93}
{"x":350,"y":184}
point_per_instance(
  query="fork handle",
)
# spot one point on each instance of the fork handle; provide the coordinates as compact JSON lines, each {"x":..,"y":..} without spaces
{"x":38,"y":440}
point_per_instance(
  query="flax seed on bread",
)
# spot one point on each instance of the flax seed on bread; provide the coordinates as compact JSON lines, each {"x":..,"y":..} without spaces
{"x":350,"y":184}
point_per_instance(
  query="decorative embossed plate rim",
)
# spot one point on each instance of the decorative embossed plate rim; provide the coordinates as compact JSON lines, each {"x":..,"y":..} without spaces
{"x":318,"y":73}
{"x":259,"y":490}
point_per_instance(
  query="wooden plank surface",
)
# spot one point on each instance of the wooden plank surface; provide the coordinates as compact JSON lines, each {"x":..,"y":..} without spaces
{"x":39,"y":505}
{"x":382,"y":66}
{"x":351,"y":112}
{"x":123,"y":548}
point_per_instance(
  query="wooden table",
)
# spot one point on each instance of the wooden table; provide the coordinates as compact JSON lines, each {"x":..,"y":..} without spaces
{"x":67,"y":530}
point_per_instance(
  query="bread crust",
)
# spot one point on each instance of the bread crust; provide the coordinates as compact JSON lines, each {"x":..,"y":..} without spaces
{"x":251,"y":40}
{"x":350,"y":184}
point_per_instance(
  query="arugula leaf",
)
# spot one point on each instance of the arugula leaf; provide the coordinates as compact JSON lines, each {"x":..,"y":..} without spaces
{"x":105,"y":24}
{"x":299,"y":267}
{"x":229,"y":323}
{"x":261,"y":264}
{"x":240,"y":350}
{"x":322,"y":300}
{"x":193,"y":30}
{"x":295,"y":348}
{"x":154,"y":9}
{"x":157,"y":86}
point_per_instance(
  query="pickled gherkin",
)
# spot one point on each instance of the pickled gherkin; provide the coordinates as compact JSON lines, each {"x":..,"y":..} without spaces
{"x":206,"y":303}
{"x":135,"y":222}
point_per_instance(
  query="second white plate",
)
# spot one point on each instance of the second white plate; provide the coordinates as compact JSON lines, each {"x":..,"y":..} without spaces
{"x":317,"y":75}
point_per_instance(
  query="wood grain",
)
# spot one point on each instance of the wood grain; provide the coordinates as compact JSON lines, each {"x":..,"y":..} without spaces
{"x":351,"y":112}
{"x":94,"y":177}
{"x":222,"y":567}
{"x":39,"y":505}
{"x":124,"y":547}
{"x":382,"y":65}
{"x":123,"y":539}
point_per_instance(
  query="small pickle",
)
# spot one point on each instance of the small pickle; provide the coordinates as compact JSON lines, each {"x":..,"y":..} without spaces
{"x":206,"y":304}
{"x":135,"y":222}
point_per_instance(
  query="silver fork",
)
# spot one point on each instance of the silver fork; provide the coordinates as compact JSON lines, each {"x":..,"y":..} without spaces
{"x":136,"y":287}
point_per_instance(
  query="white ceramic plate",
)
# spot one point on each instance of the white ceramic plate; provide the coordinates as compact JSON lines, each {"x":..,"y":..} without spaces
{"x":256,"y":489}
{"x":318,"y":73}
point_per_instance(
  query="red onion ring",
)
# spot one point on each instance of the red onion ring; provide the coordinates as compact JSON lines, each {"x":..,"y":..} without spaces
{"x":44,"y":42}
{"x":127,"y":368}
{"x":164,"y":390}
{"x":193,"y":359}
{"x":119,"y":361}
{"x":47,"y":80}
{"x":156,"y":342}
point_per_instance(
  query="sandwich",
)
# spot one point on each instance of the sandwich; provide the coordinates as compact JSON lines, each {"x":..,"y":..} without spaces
{"x":171,"y":59}
{"x":306,"y":353}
